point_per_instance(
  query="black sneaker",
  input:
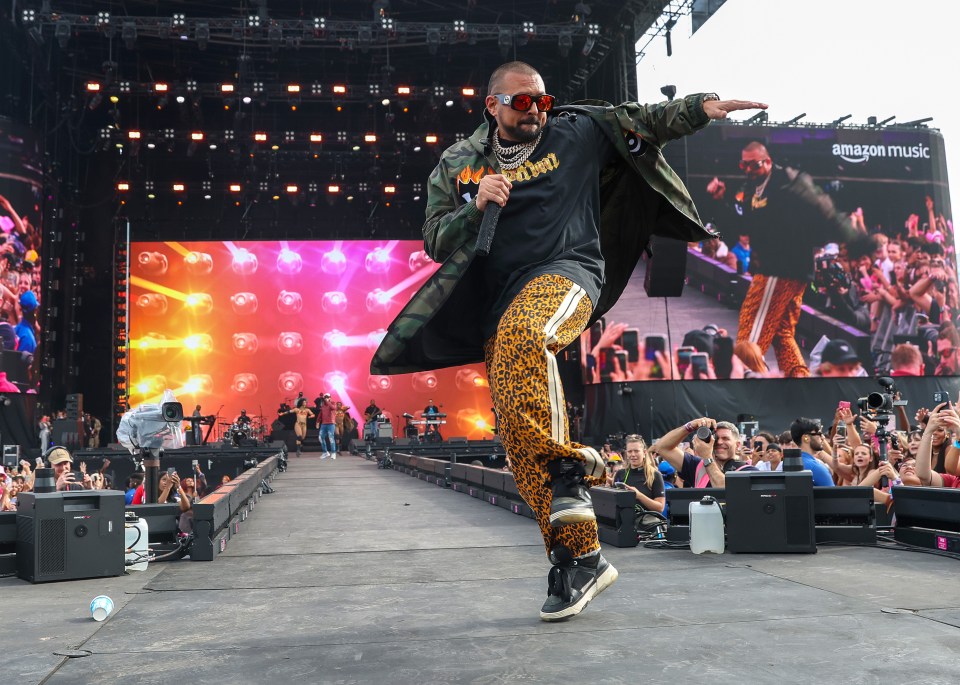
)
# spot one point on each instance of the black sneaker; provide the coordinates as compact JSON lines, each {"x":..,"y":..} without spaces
{"x":572,"y":585}
{"x":571,"y":499}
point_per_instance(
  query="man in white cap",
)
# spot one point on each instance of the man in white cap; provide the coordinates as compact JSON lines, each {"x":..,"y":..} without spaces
{"x":328,"y":427}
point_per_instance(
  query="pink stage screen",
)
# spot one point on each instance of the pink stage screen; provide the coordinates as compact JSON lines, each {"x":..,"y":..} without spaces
{"x":247,"y":325}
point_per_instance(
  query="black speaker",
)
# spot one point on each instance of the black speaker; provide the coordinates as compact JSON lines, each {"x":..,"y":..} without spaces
{"x":457,"y":441}
{"x":770,"y":513}
{"x":68,"y":433}
{"x":616,"y":516}
{"x":667,"y":268}
{"x":11,"y":457}
{"x":70,"y":535}
{"x":74,"y":406}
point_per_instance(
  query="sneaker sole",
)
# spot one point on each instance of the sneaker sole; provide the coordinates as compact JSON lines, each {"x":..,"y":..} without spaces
{"x":603,"y":581}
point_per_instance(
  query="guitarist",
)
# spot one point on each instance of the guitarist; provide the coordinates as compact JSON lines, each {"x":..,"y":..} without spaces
{"x":370,"y":416}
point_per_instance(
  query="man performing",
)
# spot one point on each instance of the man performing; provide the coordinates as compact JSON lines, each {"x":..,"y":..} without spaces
{"x":786,"y":217}
{"x":560,"y":258}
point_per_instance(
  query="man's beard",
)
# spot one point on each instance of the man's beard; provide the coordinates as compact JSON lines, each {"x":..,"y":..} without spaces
{"x":520,"y":135}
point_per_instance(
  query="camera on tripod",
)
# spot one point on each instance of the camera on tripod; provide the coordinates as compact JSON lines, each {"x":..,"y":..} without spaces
{"x":880,"y":405}
{"x":879,"y":408}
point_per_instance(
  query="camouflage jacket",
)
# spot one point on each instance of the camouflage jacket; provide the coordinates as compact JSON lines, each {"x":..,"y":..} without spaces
{"x":640,"y":195}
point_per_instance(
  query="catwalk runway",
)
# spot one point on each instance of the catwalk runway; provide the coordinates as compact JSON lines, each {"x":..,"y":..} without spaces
{"x":349,"y":574}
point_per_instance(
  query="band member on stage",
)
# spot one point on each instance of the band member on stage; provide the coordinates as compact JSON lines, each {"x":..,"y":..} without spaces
{"x":786,"y":218}
{"x":551,"y":270}
{"x":431,"y":431}
{"x":303,"y":414}
{"x":370,"y":416}
{"x":339,"y":418}
{"x":195,"y":426}
{"x":243,"y":418}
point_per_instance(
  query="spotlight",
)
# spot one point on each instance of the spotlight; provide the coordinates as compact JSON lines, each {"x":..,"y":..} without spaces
{"x":235,"y":188}
{"x":316,"y":138}
{"x":123,"y":186}
{"x":245,"y":384}
{"x":433,"y":41}
{"x":333,"y":262}
{"x":334,"y":302}
{"x":505,"y":41}
{"x":334,"y":339}
{"x":403,"y":90}
{"x":290,"y":382}
{"x":227,"y":88}
{"x":424,"y":381}
{"x":290,"y":342}
{"x":62,"y":33}
{"x":379,"y":383}
{"x":431,"y":138}
{"x":468,"y":92}
{"x":244,"y":303}
{"x":340,"y":89}
{"x":245,"y":343}
{"x":378,"y":301}
{"x":202,"y":34}
{"x":669,"y":92}
{"x":198,"y":263}
{"x":333,"y":189}
{"x":160,"y":87}
{"x":93,"y":87}
{"x":244,"y":262}
{"x":370,"y":138}
{"x":200,"y":342}
{"x":377,"y":261}
{"x":199,"y":304}
{"x":374,"y":338}
{"x":153,"y":304}
{"x":288,"y":261}
{"x":289,"y":302}
{"x":129,"y":34}
{"x":152,"y":263}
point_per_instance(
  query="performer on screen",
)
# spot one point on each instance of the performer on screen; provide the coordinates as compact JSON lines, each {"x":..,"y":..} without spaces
{"x":552,"y":268}
{"x":787,"y":217}
{"x":303,"y":414}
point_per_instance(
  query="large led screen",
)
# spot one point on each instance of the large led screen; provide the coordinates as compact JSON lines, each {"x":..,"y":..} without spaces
{"x":249,"y":325}
{"x":21,"y":201}
{"x":786,"y":291}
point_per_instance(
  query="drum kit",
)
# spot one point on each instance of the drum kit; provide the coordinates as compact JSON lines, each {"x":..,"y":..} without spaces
{"x":233,"y":433}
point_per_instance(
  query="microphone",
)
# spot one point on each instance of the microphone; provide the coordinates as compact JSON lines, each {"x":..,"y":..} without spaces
{"x":488,"y":225}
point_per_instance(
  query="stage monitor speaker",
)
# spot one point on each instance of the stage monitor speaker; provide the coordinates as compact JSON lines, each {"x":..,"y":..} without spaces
{"x":770,"y":513}
{"x":667,"y":268}
{"x":404,"y":442}
{"x":385,"y":440}
{"x":928,"y":517}
{"x":616,"y":516}
{"x":74,"y":406}
{"x":68,"y":433}
{"x":11,"y":457}
{"x":357,"y":446}
{"x":384,"y":430}
{"x":457,"y":441}
{"x":70,"y":535}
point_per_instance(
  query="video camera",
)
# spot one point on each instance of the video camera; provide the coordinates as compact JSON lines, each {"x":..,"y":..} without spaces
{"x":879,"y":408}
{"x":153,"y":426}
{"x":829,"y":274}
{"x":880,"y":405}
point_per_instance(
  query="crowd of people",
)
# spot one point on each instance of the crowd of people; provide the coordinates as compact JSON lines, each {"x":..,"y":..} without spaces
{"x":853,"y":451}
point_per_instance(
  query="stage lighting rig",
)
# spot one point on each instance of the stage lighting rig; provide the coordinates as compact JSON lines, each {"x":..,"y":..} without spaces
{"x":669,"y":92}
{"x":797,"y":118}
{"x":840,"y":120}
{"x":917,"y":123}
{"x":760,"y":118}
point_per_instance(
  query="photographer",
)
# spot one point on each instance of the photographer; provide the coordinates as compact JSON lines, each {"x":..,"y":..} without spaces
{"x":715,"y":446}
{"x":641,"y":476}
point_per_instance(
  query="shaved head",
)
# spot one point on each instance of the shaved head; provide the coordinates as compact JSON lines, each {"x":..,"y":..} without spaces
{"x":496,"y":78}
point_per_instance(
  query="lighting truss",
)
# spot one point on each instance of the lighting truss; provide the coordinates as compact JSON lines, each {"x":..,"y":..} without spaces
{"x":309,"y":29}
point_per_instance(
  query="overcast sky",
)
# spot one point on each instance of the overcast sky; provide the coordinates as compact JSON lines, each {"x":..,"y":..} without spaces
{"x":827,"y":58}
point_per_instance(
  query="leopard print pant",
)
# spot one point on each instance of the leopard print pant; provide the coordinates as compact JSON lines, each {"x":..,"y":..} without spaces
{"x":548,"y":314}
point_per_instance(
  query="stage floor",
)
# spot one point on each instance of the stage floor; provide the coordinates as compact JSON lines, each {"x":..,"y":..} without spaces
{"x":349,"y":574}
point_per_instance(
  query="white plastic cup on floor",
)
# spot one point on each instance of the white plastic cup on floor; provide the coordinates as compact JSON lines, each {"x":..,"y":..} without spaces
{"x":101,"y":607}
